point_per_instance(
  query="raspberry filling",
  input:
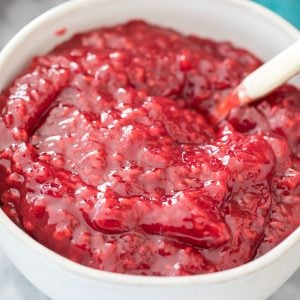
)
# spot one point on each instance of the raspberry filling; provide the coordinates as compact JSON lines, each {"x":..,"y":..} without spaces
{"x":109,"y":155}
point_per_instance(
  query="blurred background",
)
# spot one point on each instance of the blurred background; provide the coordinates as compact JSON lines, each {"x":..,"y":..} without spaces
{"x":14,"y":14}
{"x":289,"y":9}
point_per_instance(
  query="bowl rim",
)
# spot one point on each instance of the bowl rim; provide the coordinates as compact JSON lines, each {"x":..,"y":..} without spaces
{"x":137,"y":280}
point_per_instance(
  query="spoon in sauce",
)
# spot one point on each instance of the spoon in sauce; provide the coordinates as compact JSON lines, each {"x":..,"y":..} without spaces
{"x":262,"y":81}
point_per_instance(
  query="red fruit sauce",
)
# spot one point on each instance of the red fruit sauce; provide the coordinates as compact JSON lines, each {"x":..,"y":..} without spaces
{"x":109,"y":157}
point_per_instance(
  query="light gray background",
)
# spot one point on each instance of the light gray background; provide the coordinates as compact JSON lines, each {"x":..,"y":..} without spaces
{"x":14,"y":14}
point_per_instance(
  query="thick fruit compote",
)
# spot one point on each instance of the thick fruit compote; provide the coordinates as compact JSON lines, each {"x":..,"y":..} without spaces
{"x":109,"y":157}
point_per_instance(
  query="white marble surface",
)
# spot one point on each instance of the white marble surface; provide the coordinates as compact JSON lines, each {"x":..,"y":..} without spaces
{"x":13,"y":286}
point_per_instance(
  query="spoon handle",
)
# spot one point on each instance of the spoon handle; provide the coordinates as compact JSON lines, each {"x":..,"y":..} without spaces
{"x":272,"y":74}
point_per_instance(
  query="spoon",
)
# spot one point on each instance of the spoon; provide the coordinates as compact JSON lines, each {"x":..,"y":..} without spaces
{"x":262,"y":81}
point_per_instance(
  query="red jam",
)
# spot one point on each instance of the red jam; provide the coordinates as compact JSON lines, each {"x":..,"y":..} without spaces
{"x":108,"y":155}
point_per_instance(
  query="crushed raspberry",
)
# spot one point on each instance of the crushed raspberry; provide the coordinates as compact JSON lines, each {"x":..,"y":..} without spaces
{"x":109,"y":156}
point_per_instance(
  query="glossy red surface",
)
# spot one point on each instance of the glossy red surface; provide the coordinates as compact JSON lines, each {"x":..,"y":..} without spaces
{"x":108,"y":154}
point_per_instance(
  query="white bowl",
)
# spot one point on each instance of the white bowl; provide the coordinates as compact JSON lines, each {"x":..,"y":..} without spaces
{"x":242,"y":22}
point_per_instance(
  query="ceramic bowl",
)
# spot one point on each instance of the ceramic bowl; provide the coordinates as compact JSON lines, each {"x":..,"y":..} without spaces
{"x":242,"y":22}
